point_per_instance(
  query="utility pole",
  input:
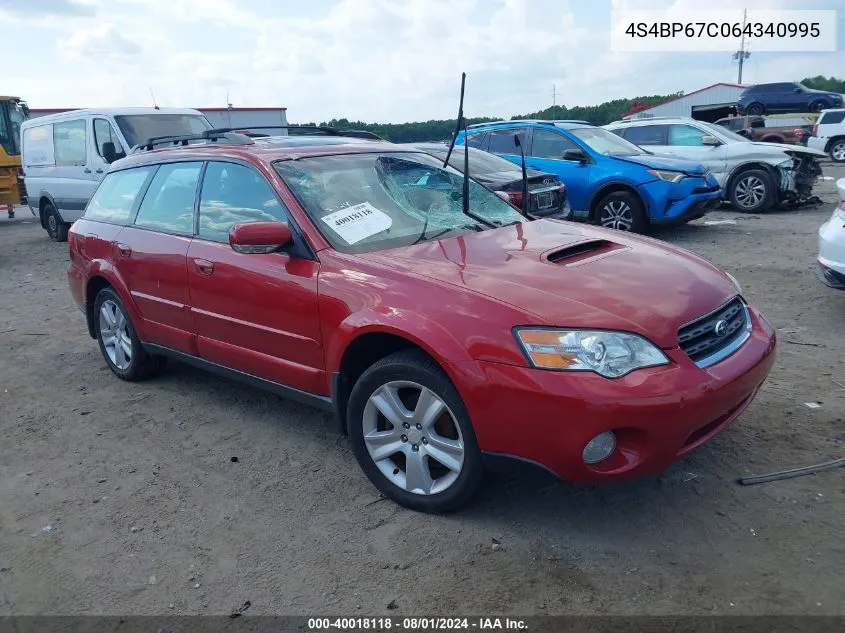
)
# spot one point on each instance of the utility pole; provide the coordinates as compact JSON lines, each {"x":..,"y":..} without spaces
{"x":741,"y":55}
{"x":554,"y":95}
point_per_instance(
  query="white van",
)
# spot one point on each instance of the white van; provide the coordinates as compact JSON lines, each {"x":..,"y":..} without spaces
{"x":66,"y":155}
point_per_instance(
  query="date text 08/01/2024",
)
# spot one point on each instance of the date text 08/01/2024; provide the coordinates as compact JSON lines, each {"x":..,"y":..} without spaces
{"x":415,"y":624}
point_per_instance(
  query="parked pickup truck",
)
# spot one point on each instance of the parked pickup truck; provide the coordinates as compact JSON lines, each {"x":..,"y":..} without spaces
{"x":789,"y":129}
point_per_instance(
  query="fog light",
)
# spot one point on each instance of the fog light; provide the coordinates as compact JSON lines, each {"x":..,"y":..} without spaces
{"x":599,"y":448}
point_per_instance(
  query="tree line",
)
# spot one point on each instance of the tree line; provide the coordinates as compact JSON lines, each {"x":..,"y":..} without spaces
{"x":602,"y":114}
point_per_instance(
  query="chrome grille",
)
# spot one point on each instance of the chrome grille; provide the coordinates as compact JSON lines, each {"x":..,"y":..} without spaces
{"x":716,"y":335}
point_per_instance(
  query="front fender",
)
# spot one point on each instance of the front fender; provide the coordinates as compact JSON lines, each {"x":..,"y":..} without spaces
{"x":102,"y":268}
{"x":427,"y":334}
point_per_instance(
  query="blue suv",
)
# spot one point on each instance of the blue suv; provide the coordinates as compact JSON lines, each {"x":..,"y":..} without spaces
{"x":786,"y":97}
{"x":609,"y":181}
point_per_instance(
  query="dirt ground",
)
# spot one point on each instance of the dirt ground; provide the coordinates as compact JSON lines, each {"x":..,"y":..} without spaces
{"x":120,"y":498}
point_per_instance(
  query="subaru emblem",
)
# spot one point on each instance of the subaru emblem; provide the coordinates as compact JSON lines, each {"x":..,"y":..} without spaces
{"x":721,"y":328}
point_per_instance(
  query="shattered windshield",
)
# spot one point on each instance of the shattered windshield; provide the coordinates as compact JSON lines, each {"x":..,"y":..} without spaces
{"x":368,"y":202}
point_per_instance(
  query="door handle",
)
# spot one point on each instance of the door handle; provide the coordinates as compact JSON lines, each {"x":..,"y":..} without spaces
{"x":204,"y":267}
{"x":99,"y":171}
{"x":124,"y":250}
{"x":86,"y":171}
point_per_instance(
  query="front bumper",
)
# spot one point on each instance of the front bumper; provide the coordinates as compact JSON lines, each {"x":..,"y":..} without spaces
{"x":676,"y":203}
{"x":832,"y":253}
{"x":658,"y":414}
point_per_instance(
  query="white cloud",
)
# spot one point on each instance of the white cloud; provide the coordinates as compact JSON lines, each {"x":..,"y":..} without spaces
{"x":101,"y":41}
{"x":376,"y":60}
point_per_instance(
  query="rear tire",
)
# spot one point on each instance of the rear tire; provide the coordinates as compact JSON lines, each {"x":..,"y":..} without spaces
{"x":752,"y":191}
{"x":56,"y":229}
{"x":412,"y":435}
{"x":119,"y":344}
{"x":623,"y":211}
{"x":755,"y":109}
{"x":837,"y":150}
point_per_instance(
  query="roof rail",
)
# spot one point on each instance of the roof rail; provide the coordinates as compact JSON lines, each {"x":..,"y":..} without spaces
{"x":242,"y":135}
{"x":512,"y":121}
{"x":308,"y":130}
{"x":225,"y":134}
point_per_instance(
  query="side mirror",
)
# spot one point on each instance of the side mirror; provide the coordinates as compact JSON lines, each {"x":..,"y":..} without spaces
{"x":797,"y":90}
{"x":109,"y":152}
{"x":576,"y":155}
{"x":260,"y":237}
{"x":744,"y":133}
{"x":710,"y":140}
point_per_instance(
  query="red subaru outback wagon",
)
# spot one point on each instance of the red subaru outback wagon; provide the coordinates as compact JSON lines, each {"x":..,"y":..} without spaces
{"x":348,"y":274}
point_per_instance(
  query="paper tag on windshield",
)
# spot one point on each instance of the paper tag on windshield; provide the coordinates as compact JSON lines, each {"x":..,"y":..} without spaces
{"x":357,"y":223}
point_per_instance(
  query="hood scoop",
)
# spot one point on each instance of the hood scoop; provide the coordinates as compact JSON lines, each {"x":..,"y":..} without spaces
{"x":583,"y":252}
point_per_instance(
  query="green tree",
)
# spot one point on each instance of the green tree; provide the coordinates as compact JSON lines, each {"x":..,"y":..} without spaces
{"x":820,"y":82}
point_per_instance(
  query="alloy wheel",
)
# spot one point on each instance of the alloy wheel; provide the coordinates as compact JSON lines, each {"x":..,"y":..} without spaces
{"x":52,"y":224}
{"x":617,"y":214}
{"x":413,"y":438}
{"x":114,"y":334}
{"x":838,"y":151}
{"x":750,"y":192}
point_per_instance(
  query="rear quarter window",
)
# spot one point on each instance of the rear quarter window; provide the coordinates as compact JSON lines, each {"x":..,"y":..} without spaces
{"x":115,"y":197}
{"x":832,"y":117}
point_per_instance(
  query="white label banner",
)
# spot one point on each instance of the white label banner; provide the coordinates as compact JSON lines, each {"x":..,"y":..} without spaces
{"x":358,"y":222}
{"x":764,"y":30}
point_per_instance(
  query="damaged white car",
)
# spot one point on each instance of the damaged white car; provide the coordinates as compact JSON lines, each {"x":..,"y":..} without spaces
{"x":754,"y":176}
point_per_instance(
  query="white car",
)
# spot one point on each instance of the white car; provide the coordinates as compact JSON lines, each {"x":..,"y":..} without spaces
{"x":754,"y":176}
{"x":829,"y":134}
{"x":832,"y":244}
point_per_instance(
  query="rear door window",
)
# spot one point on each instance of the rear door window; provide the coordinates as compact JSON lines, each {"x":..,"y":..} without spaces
{"x":235,"y":194}
{"x":168,"y":205}
{"x":478,"y":140}
{"x":646,"y":135}
{"x":501,"y":141}
{"x":115,"y":197}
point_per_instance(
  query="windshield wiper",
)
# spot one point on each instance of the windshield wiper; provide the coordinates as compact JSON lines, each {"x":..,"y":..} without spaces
{"x":444,"y":231}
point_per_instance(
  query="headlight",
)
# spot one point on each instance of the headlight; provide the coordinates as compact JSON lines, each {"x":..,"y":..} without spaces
{"x":668,"y":176}
{"x":609,"y":354}
{"x":736,"y":283}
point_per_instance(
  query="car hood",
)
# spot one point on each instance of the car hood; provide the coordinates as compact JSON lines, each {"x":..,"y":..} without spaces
{"x":790,"y":149}
{"x":663,"y":162}
{"x":568,"y":275}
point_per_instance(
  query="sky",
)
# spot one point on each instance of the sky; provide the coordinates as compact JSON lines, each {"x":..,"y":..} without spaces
{"x":368,"y":60}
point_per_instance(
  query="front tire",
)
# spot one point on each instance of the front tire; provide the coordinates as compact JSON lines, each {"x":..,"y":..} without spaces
{"x":752,"y":191}
{"x":755,"y":109}
{"x":817,"y":106}
{"x":119,"y":344}
{"x":412,"y":435}
{"x":837,"y":150}
{"x":623,"y":211}
{"x":56,"y":229}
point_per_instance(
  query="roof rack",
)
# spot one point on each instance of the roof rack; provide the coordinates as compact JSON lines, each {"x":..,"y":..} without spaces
{"x":242,"y":135}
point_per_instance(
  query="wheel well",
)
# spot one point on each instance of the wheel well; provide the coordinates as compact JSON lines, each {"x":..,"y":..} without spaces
{"x":95,"y":284}
{"x":831,"y":141}
{"x":606,"y":190}
{"x":362,"y":353}
{"x":42,"y":204}
{"x":748,"y":167}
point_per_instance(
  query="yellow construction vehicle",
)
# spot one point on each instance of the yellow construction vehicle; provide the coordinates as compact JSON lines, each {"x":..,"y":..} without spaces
{"x":13,"y":112}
